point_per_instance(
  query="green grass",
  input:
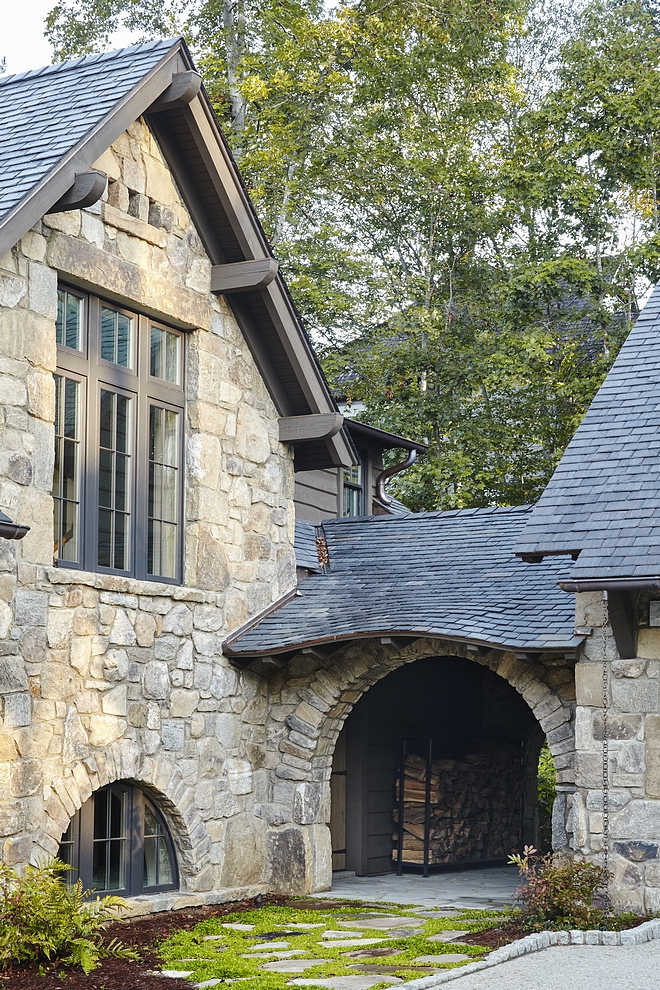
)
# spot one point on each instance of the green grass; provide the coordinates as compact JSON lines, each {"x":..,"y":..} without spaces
{"x":189,"y":951}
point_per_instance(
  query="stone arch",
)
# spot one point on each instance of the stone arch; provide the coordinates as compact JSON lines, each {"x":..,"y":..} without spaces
{"x":335,"y":685}
{"x":311,"y":699}
{"x":160,"y":777}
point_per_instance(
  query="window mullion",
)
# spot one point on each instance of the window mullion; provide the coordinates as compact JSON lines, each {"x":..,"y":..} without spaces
{"x":142,"y":452}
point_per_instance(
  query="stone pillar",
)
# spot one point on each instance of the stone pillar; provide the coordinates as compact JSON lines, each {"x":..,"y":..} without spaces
{"x":634,"y":763}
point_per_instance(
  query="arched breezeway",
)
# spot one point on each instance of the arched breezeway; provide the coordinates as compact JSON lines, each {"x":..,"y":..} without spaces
{"x":521,"y":700}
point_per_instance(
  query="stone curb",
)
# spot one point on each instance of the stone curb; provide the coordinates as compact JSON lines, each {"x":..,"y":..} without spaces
{"x":645,"y":932}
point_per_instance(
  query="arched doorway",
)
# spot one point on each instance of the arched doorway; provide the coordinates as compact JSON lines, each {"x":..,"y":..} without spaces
{"x":486,"y":742}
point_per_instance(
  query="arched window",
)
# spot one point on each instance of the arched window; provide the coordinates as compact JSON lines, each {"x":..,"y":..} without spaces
{"x":118,"y":843}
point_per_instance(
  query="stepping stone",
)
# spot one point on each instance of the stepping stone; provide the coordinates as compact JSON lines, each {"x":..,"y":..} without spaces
{"x":350,"y":943}
{"x":293,"y":965}
{"x":267,"y":946}
{"x":331,"y":934}
{"x":382,"y":923}
{"x":305,"y":924}
{"x":175,"y":974}
{"x":269,"y":955}
{"x":346,"y":982}
{"x":448,"y":957}
{"x":404,"y":932}
{"x":389,"y":970}
{"x":372,"y":953}
{"x":236,"y":926}
{"x":448,"y":936}
{"x":207,"y":983}
{"x":211,"y":938}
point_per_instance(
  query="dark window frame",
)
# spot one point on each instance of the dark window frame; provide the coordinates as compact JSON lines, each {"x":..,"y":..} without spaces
{"x":79,"y":854}
{"x":94,"y":372}
{"x":355,"y":488}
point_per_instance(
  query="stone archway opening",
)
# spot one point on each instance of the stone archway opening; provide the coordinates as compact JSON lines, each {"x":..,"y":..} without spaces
{"x":486,"y":743}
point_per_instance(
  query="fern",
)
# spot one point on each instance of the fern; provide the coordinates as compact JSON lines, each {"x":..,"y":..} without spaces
{"x":43,"y":919}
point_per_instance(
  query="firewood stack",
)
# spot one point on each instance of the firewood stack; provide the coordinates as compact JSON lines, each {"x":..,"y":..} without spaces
{"x":475,"y":807}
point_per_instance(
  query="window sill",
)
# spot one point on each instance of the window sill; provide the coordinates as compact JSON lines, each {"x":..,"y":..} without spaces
{"x":127,"y":586}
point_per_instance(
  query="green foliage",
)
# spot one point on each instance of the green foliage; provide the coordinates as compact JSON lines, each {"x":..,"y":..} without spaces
{"x":44,"y":919}
{"x":463,"y":197}
{"x":212,"y":951}
{"x":547,"y":789}
{"x":562,"y":897}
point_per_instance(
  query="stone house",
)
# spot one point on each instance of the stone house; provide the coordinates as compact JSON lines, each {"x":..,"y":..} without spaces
{"x":206,"y":640}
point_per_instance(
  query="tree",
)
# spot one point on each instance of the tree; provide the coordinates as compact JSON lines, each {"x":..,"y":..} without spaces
{"x":462,"y":194}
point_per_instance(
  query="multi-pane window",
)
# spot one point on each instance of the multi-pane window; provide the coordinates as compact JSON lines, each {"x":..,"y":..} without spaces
{"x":119,"y":843}
{"x":353,"y":494}
{"x":117,"y":484}
{"x":109,"y":842}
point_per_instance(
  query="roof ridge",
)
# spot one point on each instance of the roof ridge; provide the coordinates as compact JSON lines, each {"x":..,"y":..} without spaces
{"x":432,"y":514}
{"x":165,"y":43}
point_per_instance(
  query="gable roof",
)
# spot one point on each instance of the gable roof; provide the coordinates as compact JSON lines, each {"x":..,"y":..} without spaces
{"x":57,"y":121}
{"x":603,"y":501}
{"x":443,"y":574}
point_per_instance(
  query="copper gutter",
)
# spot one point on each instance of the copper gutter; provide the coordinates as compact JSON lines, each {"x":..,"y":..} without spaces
{"x":388,"y":472}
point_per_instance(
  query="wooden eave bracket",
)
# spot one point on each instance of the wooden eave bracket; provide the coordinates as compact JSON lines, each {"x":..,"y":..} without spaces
{"x":317,"y":426}
{"x":621,"y":608}
{"x":87,"y":189}
{"x":182,"y":90}
{"x":243,"y":276}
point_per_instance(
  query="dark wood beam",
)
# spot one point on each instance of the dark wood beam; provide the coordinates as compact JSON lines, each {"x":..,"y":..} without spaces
{"x":622,"y":619}
{"x":317,"y":426}
{"x":243,"y":276}
{"x":87,"y":189}
{"x":182,"y":90}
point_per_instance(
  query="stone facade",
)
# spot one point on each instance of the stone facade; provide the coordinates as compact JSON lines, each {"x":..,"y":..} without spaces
{"x":102,"y":677}
{"x":634,"y":756}
{"x":106,"y":678}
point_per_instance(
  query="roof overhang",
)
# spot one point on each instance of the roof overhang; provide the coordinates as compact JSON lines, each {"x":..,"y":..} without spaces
{"x":182,"y":119}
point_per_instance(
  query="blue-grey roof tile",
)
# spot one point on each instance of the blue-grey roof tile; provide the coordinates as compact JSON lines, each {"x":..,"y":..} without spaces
{"x":446,"y":574}
{"x":45,"y":113}
{"x":604,"y":497}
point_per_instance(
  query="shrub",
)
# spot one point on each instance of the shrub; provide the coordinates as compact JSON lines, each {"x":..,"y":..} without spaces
{"x":42,"y":919}
{"x":561,"y":897}
{"x":547,"y":789}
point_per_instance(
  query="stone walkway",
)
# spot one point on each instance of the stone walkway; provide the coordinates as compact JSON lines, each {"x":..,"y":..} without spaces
{"x":481,"y":889}
{"x":571,"y":967}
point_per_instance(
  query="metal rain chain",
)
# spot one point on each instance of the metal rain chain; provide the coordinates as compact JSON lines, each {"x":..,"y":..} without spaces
{"x":606,"y":758}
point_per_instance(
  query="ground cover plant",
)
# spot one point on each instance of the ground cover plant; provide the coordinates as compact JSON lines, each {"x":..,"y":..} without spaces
{"x":239,"y":946}
{"x":42,"y":918}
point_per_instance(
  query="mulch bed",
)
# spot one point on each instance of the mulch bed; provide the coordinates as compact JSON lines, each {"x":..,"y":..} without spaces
{"x":493,"y":938}
{"x":142,"y":934}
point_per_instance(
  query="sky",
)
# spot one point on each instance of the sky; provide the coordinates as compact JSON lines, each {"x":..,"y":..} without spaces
{"x":22,"y":41}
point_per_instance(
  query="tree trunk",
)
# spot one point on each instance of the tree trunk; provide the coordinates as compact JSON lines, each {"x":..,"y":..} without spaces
{"x":233,"y":18}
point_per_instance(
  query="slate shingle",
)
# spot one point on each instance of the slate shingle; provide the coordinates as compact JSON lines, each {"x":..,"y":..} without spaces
{"x":604,"y":497}
{"x":447,"y":574}
{"x":45,"y":113}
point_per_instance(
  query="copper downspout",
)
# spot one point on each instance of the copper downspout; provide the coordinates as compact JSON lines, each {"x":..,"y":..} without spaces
{"x":388,"y":472}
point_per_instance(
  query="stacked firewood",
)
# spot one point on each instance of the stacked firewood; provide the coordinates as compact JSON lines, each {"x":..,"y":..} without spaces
{"x":475,"y":807}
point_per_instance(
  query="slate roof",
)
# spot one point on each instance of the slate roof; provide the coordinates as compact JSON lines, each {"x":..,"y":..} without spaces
{"x":604,"y":498}
{"x":445,"y":574}
{"x":47,"y":112}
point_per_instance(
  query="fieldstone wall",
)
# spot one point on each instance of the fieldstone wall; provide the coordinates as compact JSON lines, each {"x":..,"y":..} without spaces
{"x":634,"y":760}
{"x":308,"y":702}
{"x":105,"y":678}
